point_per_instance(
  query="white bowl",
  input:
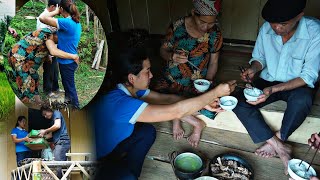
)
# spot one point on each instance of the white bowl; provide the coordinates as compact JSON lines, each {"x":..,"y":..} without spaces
{"x":252,"y":94}
{"x":206,"y":178}
{"x":293,"y":164}
{"x":228,"y":102}
{"x":201,"y":84}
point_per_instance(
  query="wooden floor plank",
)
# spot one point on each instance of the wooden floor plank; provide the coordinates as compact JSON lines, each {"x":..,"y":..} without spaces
{"x":235,"y":140}
{"x":156,"y":170}
{"x":229,"y":121}
{"x":265,"y":169}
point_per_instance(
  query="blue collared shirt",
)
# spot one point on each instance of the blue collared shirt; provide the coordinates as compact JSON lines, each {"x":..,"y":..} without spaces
{"x":114,"y":117}
{"x":298,"y":57}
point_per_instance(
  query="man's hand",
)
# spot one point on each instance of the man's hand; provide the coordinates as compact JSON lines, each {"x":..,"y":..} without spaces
{"x":314,"y":141}
{"x":248,"y":72}
{"x":13,"y":32}
{"x":263,"y":97}
{"x":42,"y":132}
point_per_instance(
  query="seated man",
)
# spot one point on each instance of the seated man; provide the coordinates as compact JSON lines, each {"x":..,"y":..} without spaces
{"x":287,"y":52}
{"x":121,"y":117}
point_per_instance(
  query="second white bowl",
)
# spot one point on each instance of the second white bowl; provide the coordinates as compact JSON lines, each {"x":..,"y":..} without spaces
{"x":228,"y":102}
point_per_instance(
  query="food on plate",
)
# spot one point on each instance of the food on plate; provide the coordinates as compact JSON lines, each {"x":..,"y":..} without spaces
{"x":229,"y":169}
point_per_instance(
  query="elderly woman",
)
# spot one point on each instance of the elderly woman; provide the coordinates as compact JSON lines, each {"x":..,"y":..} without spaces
{"x":191,"y":50}
{"x":26,"y":57}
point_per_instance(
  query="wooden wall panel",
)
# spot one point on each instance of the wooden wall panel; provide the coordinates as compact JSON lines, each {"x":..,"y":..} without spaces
{"x":239,"y":19}
{"x":124,"y":12}
{"x":261,"y":20}
{"x":81,"y":133}
{"x":179,"y":8}
{"x":159,"y":15}
{"x":11,"y":151}
{"x":140,"y":14}
{"x":244,"y":24}
{"x":106,"y":22}
{"x":225,"y":18}
{"x":312,"y":8}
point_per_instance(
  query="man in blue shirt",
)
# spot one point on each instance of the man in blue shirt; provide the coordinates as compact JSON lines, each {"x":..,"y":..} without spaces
{"x":123,"y":135}
{"x":59,"y":132}
{"x":287,"y":52}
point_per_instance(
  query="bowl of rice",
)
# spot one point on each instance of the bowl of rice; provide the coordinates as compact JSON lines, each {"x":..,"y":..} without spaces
{"x":299,"y":171}
{"x":252,"y":94}
{"x":228,"y":102}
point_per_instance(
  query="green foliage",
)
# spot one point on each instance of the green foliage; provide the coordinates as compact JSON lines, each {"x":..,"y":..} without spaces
{"x":23,"y":25}
{"x":6,"y":96}
{"x":4,"y":24}
{"x":87,"y":80}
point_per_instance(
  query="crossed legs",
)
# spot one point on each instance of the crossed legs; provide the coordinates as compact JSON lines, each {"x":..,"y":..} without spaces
{"x":299,"y":103}
{"x":194,"y":137}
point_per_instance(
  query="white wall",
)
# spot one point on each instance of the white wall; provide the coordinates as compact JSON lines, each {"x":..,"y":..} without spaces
{"x":7,"y":7}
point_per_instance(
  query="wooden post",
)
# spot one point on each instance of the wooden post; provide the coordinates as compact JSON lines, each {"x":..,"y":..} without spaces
{"x":95,"y":28}
{"x":97,"y":58}
{"x":36,"y":170}
{"x":99,"y":55}
{"x":88,"y":17}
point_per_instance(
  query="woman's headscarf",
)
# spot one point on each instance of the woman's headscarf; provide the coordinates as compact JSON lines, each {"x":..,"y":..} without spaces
{"x":207,"y":7}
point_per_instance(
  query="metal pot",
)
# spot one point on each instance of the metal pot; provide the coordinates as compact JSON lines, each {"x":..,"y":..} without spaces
{"x":191,"y":159}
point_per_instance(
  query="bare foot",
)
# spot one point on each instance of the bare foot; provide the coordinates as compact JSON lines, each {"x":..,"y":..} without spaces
{"x":198,"y":125}
{"x":266,"y":151}
{"x":282,"y":149}
{"x":177,"y":130}
{"x":37,"y":100}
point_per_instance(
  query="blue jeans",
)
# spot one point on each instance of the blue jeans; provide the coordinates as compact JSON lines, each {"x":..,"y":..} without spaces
{"x":299,"y":102}
{"x":23,"y":155}
{"x":126,"y":160}
{"x":67,"y":76}
{"x":59,"y":153}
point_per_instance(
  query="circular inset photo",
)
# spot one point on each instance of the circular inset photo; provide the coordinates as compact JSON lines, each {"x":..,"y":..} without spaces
{"x":54,"y":51}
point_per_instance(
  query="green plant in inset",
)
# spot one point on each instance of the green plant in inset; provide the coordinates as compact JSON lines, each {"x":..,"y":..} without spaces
{"x":4,"y":24}
{"x":6,"y":96}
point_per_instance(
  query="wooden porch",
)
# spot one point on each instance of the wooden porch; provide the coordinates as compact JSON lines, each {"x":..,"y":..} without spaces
{"x":226,"y":134}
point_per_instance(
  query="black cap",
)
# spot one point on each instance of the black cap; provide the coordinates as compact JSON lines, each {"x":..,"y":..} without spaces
{"x":276,"y":11}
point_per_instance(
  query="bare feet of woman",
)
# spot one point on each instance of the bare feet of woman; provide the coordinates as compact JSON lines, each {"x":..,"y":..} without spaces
{"x":38,"y":100}
{"x":198,"y":125}
{"x":282,"y":149}
{"x":266,"y":151}
{"x":177,"y":130}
